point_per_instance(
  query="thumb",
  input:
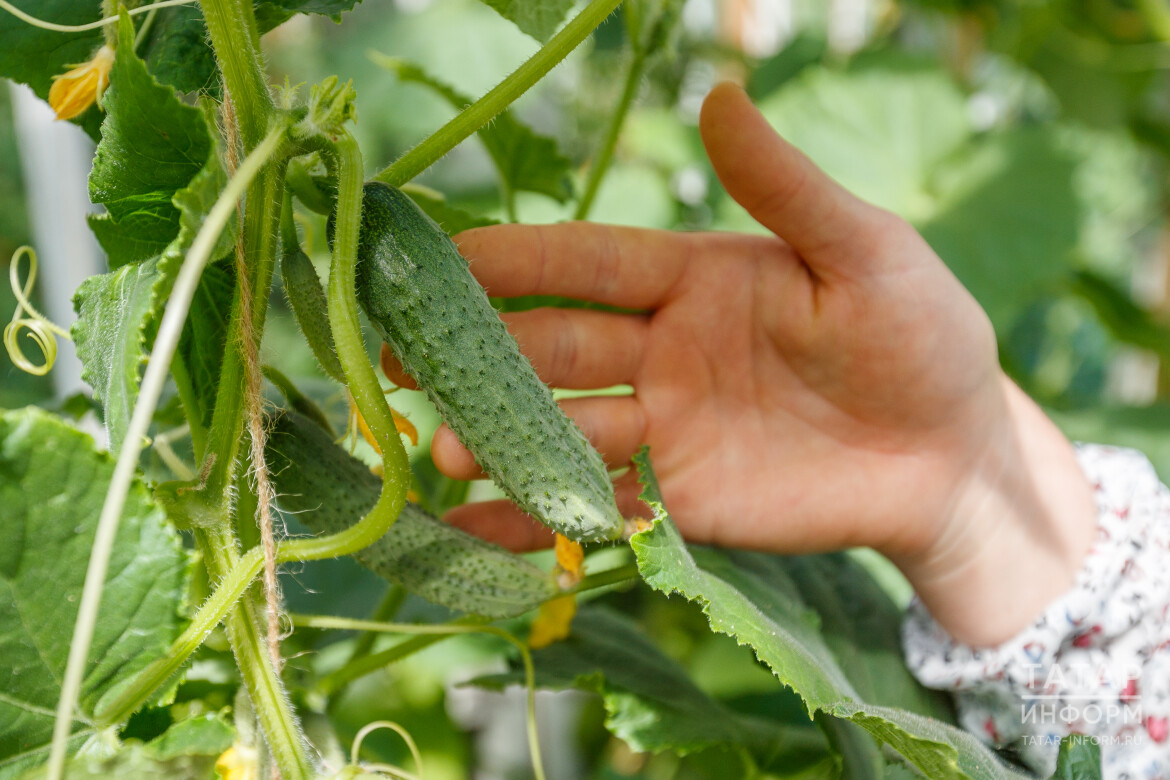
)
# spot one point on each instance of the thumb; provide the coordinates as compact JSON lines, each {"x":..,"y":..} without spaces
{"x":780,"y":187}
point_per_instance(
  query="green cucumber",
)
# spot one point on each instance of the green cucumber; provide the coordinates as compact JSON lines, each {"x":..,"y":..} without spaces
{"x":303,"y":289}
{"x":421,"y":297}
{"x":328,"y":490}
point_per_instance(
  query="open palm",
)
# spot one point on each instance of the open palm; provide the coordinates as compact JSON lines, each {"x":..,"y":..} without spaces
{"x":828,"y":386}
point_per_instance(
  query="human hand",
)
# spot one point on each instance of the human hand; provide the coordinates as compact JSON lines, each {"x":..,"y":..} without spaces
{"x":827,"y":387}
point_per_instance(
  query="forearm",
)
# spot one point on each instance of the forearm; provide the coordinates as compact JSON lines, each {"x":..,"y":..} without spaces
{"x":1022,"y":522}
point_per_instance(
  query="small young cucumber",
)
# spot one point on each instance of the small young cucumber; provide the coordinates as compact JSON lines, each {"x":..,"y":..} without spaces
{"x":307,"y":299}
{"x":328,"y":491}
{"x":421,"y":297}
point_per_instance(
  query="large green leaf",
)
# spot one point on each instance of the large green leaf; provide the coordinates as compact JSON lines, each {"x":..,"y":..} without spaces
{"x":650,"y":701}
{"x":525,"y":160}
{"x":898,"y":135}
{"x":858,"y":622}
{"x":270,"y":13}
{"x":1020,"y":182}
{"x":178,"y":52}
{"x":112,"y":311}
{"x":763,"y":609}
{"x":204,"y":337}
{"x":52,"y":484}
{"x":538,"y":18}
{"x":118,"y":312}
{"x":152,"y":146}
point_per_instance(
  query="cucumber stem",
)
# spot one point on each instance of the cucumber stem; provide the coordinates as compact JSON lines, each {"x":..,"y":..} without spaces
{"x":232,"y":28}
{"x":270,"y":702}
{"x":372,"y":403}
{"x":499,"y":97}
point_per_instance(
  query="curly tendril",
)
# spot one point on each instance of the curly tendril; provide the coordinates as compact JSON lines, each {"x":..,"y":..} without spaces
{"x":43,"y":332}
{"x":393,"y":771}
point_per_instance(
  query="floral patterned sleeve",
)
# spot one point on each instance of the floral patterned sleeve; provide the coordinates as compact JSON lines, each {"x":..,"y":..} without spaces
{"x":1097,"y":662}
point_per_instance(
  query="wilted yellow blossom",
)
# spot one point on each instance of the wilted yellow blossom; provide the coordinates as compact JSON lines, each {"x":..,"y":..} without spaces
{"x":403,"y":426}
{"x":76,"y":90}
{"x":555,"y":619}
{"x":553,"y":622}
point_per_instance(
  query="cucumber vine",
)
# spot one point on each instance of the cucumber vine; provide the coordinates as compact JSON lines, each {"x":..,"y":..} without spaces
{"x":270,"y":147}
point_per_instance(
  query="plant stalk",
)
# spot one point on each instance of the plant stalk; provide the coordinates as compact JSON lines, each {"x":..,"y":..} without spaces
{"x":234,"y":39}
{"x":166,"y":341}
{"x":261,"y":226}
{"x":499,"y":97}
{"x":368,"y":395}
{"x":609,"y":143}
{"x":269,"y":700}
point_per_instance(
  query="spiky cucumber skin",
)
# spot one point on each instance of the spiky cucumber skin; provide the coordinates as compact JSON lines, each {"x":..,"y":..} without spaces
{"x":328,"y":490}
{"x":421,"y":297}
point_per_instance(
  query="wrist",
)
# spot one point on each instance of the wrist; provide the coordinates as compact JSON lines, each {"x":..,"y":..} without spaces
{"x":1020,"y":523}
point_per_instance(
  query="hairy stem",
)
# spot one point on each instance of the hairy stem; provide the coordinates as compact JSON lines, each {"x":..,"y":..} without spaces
{"x":261,"y":226}
{"x":269,"y":700}
{"x":499,"y":97}
{"x":235,"y":40}
{"x":609,"y":143}
{"x":257,"y":437}
{"x":367,"y":392}
{"x":157,"y":368}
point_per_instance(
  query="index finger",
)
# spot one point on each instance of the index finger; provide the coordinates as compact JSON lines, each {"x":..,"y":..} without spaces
{"x":620,"y":266}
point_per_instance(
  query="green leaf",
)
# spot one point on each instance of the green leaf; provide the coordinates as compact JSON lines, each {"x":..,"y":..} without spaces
{"x":204,"y":337}
{"x":270,"y":13}
{"x":538,"y":18}
{"x":762,"y":608}
{"x":859,"y":624}
{"x":112,"y":310}
{"x":152,"y":146}
{"x":453,"y":220}
{"x":33,"y":56}
{"x":650,"y":701}
{"x":177,"y":50}
{"x":525,"y":160}
{"x":206,"y":735}
{"x":52,"y":485}
{"x":1120,"y":314}
{"x":1079,"y":759}
{"x":146,"y":163}
{"x":897,"y":134}
{"x":1020,"y":181}
{"x":188,"y":749}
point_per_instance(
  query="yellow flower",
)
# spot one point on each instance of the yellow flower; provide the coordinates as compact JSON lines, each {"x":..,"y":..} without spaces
{"x":555,"y":619}
{"x":238,"y":762}
{"x":78,"y":89}
{"x":403,"y":426}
